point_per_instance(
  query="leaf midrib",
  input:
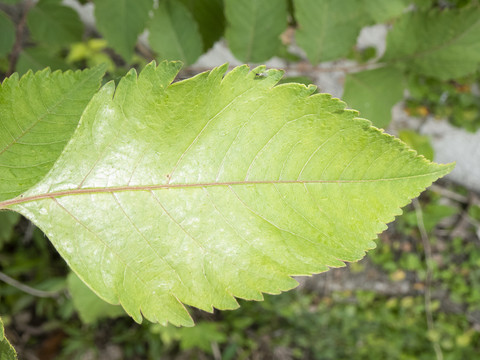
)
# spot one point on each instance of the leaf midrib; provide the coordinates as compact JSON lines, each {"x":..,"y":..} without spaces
{"x":114,"y":189}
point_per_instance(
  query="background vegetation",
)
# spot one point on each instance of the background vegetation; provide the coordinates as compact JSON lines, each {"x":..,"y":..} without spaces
{"x":415,"y":297}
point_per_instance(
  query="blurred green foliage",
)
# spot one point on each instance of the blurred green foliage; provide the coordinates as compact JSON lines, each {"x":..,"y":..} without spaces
{"x":458,"y":101}
{"x":303,"y":324}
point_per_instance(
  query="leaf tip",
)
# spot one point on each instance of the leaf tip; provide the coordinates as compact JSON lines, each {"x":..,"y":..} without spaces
{"x":447,"y":168}
{"x":101,"y":68}
{"x":107,"y":91}
{"x":222,"y":68}
{"x":311,"y":88}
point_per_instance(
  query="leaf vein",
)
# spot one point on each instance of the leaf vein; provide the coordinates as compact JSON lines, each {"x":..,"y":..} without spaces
{"x":137,"y":230}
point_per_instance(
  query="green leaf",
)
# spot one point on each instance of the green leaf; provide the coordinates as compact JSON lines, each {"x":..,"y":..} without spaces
{"x":328,"y":29}
{"x":432,"y":213}
{"x":217,"y":187}
{"x":374,"y":93}
{"x":380,"y":10}
{"x":38,"y":115}
{"x":174,"y":34}
{"x":254,"y":28}
{"x":54,"y":24}
{"x":441,"y":44}
{"x":420,"y":143}
{"x":201,"y":336}
{"x":210,"y":19}
{"x":89,"y":306}
{"x":7,"y":29}
{"x":121,"y":22}
{"x":424,"y":4}
{"x":305,"y":80}
{"x":38,"y":58}
{"x":8,"y":220}
{"x":7,"y":352}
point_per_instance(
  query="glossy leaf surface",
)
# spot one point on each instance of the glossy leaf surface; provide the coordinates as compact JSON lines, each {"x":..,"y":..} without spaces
{"x":217,"y":187}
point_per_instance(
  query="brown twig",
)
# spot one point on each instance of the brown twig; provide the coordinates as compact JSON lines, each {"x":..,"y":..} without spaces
{"x":20,"y":29}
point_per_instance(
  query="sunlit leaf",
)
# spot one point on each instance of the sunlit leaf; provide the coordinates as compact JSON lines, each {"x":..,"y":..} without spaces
{"x":217,"y":187}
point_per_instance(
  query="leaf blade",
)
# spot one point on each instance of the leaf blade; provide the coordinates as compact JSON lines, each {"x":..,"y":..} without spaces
{"x":382,"y":11}
{"x":328,"y":29}
{"x":89,"y":307}
{"x":33,"y":135}
{"x":254,"y":28}
{"x":174,"y":34}
{"x":121,"y":22}
{"x":429,"y":42}
{"x":7,"y":352}
{"x":200,"y":173}
{"x":374,"y":93}
{"x":210,"y":18}
{"x":7,"y":29}
{"x":54,"y":24}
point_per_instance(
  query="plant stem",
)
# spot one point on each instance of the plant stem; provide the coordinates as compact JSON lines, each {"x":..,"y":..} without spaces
{"x":449,"y":194}
{"x":428,"y":280}
{"x":27,"y":289}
